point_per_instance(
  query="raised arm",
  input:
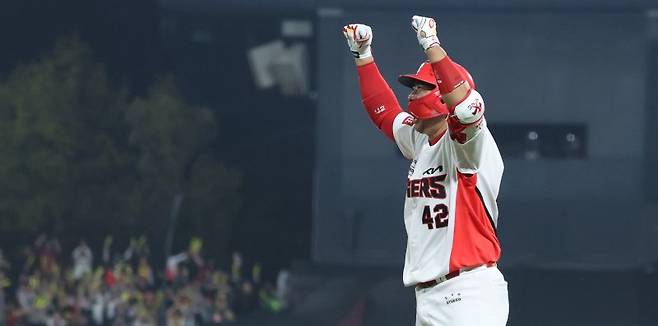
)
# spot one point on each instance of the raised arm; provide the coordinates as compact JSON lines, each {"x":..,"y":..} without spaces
{"x":377,"y":97}
{"x":452,"y":83}
{"x":456,"y":86}
{"x":473,"y":141}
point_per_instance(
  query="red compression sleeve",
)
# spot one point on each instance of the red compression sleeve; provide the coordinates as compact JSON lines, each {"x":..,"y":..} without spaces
{"x":378,"y":99}
{"x":448,"y":76}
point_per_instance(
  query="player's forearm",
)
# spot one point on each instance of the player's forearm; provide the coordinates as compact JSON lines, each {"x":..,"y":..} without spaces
{"x":362,"y":62}
{"x":452,"y":85}
{"x":371,"y":81}
{"x":435,"y":54}
{"x":377,"y":97}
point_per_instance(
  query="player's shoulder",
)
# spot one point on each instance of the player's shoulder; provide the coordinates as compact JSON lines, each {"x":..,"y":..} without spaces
{"x":403,"y":118}
{"x":407,"y":138}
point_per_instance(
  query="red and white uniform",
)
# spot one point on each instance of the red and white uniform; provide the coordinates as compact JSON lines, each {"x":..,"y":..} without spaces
{"x":450,"y":211}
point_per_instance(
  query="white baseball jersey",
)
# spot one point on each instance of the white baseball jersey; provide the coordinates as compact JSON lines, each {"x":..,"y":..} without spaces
{"x":450,"y":211}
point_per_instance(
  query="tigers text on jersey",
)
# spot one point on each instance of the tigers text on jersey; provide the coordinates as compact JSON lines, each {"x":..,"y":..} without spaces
{"x":450,"y":210}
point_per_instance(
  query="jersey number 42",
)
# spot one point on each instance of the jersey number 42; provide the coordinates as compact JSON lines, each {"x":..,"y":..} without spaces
{"x":436,"y":217}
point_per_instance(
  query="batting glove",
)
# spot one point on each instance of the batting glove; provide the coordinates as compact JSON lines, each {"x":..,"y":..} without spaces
{"x":359,"y":38}
{"x":425,"y":28}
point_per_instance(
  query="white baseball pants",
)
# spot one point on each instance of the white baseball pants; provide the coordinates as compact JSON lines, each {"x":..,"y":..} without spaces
{"x":474,"y":298}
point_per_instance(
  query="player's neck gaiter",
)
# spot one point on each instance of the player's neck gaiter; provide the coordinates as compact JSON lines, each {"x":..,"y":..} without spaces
{"x":428,"y":106}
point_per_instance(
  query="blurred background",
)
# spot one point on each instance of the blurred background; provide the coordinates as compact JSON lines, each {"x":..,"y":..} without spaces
{"x":199,"y":162}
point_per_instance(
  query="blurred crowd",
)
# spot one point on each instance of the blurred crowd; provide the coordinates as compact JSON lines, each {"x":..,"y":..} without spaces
{"x":124,"y":288}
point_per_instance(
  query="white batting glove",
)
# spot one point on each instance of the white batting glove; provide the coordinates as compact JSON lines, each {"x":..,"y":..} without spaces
{"x":359,"y":38}
{"x":425,"y":28}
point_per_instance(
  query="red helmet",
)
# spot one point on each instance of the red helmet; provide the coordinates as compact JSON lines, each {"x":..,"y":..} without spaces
{"x":425,"y":76}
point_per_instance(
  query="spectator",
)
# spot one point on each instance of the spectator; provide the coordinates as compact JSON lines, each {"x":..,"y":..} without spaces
{"x":236,"y":267}
{"x":144,"y":273}
{"x":172,"y":265}
{"x":125,"y":290}
{"x":82,"y":260}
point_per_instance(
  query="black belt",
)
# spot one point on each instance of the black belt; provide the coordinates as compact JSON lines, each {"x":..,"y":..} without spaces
{"x":453,"y":274}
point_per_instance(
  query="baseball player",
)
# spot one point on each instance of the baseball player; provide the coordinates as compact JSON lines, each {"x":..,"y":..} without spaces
{"x":450,"y":210}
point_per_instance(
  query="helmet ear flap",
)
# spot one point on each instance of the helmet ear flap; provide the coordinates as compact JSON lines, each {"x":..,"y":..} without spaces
{"x":428,"y":106}
{"x":441,"y":107}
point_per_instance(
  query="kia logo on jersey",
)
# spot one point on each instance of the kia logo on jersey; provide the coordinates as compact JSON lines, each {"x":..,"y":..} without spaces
{"x":433,"y":170}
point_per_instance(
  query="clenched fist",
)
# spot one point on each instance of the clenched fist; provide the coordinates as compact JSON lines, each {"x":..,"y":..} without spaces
{"x":359,"y":38}
{"x":425,"y":28}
